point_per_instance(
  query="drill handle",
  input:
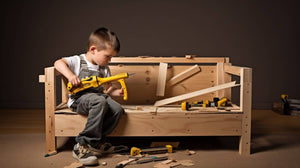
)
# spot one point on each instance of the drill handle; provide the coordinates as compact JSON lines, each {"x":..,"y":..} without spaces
{"x":123,"y":85}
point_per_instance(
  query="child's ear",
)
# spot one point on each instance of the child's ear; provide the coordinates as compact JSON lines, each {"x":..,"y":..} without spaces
{"x":93,"y":49}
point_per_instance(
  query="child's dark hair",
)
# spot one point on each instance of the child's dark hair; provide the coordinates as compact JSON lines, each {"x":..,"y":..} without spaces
{"x":103,"y":38}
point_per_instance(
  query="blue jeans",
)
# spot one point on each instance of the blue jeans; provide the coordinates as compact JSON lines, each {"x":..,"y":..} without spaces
{"x":103,"y":116}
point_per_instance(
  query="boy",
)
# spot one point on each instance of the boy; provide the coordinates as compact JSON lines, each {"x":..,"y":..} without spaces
{"x":103,"y":112}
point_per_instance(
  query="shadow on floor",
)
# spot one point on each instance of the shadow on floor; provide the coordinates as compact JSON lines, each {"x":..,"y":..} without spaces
{"x":191,"y":143}
{"x":260,"y":142}
{"x":268,"y":142}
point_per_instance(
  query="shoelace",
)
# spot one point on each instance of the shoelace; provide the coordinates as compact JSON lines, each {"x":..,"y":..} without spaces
{"x":83,"y":150}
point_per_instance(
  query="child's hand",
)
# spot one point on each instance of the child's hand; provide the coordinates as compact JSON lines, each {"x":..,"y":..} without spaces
{"x":117,"y":92}
{"x":74,"y":80}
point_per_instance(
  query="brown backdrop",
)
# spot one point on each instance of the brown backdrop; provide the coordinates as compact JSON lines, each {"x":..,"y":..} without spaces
{"x":260,"y":34}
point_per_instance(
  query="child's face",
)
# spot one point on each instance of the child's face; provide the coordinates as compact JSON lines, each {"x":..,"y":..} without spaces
{"x":103,"y":57}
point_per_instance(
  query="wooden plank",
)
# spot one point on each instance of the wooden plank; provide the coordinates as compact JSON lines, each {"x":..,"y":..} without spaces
{"x":172,"y":109}
{"x":159,"y":125}
{"x":196,"y":110}
{"x":220,"y":79}
{"x":50,"y":104}
{"x":64,"y":91}
{"x":132,"y":109}
{"x":223,"y":77}
{"x":41,"y":78}
{"x":246,"y":106}
{"x":161,"y":81}
{"x":227,"y":78}
{"x":194,"y":94}
{"x":167,"y":125}
{"x":183,"y":75}
{"x":141,"y":109}
{"x":227,"y":60}
{"x":69,"y":125}
{"x":147,"y":59}
{"x":235,"y":70}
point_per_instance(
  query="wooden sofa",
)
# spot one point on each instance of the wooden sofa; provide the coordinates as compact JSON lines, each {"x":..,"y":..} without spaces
{"x":155,"y":93}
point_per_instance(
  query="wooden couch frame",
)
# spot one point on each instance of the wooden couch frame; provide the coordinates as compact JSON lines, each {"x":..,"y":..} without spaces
{"x":142,"y":118}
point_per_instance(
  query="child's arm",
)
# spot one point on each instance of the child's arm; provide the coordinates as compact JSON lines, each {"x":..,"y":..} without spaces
{"x":61,"y":66}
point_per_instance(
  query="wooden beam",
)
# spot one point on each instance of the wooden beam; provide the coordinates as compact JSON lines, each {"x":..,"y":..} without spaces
{"x":194,"y":94}
{"x":50,"y":104}
{"x":162,"y":77}
{"x":41,"y":78}
{"x":146,"y":59}
{"x":142,"y":124}
{"x":64,"y":91}
{"x":183,"y":75}
{"x":246,"y":107}
{"x":220,"y":79}
{"x":235,"y":70}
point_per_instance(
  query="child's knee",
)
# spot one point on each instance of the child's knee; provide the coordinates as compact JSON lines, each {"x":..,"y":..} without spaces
{"x":97,"y":100}
{"x":120,"y":110}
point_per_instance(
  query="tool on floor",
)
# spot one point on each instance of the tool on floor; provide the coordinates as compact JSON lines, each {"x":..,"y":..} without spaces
{"x":286,"y":105}
{"x":50,"y":153}
{"x":290,"y":106}
{"x":125,"y":162}
{"x":135,"y":151}
{"x":215,"y":103}
{"x":95,"y":81}
{"x":152,"y":159}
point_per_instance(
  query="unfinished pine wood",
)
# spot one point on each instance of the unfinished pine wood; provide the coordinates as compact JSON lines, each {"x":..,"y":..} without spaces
{"x":161,"y":81}
{"x":132,"y":109}
{"x":41,"y":78}
{"x":147,"y":59}
{"x":167,"y":125}
{"x":190,"y":56}
{"x":183,"y":75}
{"x":50,"y":104}
{"x":220,"y":79}
{"x":223,"y":77}
{"x":63,"y":109}
{"x":193,"y":94}
{"x":69,"y":125}
{"x":235,"y":70}
{"x":141,"y":87}
{"x":204,"y":79}
{"x":227,"y":78}
{"x":142,"y":120}
{"x":246,"y":101}
{"x":196,"y":110}
{"x":139,"y":123}
{"x":64,"y":91}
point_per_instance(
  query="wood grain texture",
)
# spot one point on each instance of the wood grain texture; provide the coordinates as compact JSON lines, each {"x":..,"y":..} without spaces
{"x":161,"y":81}
{"x":183,"y":75}
{"x":194,"y":94}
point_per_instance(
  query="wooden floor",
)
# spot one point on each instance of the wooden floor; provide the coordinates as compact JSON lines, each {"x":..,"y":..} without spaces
{"x":275,"y":143}
{"x":22,"y":121}
{"x":32,"y":121}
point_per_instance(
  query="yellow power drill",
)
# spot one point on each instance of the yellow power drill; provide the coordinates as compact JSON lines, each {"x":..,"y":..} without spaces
{"x":95,"y":81}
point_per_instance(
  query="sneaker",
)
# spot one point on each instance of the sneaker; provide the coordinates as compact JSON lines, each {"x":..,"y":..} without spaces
{"x":106,"y":148}
{"x":84,"y":155}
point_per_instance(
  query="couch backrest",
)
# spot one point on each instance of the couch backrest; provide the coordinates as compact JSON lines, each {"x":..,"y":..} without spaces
{"x":142,"y":87}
